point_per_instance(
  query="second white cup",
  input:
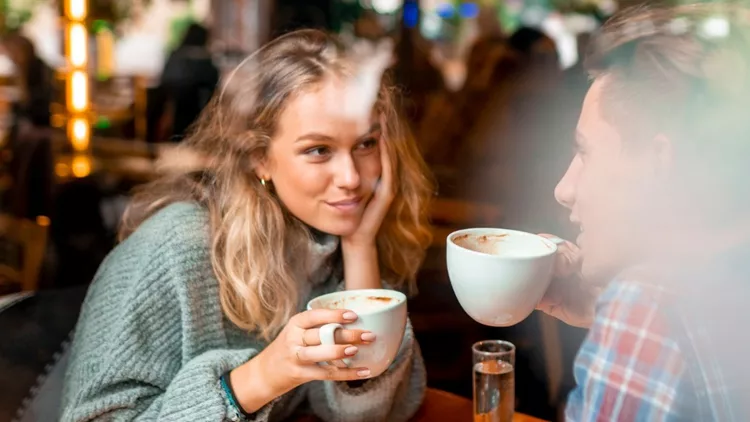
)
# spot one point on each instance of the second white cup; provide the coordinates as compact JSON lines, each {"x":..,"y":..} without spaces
{"x":499,"y":275}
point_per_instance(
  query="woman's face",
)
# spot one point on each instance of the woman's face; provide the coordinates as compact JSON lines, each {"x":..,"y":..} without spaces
{"x":323,"y":164}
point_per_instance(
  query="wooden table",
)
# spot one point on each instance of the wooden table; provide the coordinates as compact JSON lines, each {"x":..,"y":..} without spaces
{"x":440,"y":406}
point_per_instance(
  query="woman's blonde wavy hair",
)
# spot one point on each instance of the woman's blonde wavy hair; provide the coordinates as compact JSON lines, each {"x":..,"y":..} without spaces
{"x":248,"y":224}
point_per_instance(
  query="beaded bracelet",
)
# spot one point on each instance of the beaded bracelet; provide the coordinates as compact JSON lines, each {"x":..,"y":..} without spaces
{"x":229,"y":393}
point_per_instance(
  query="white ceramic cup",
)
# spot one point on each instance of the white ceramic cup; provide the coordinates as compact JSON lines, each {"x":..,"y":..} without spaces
{"x":380,"y":311}
{"x":498,"y":275}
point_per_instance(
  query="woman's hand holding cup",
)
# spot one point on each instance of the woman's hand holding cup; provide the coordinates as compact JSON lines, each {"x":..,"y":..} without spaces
{"x":294,"y":358}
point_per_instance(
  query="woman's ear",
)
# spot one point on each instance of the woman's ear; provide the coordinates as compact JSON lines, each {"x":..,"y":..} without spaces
{"x":259,"y":164}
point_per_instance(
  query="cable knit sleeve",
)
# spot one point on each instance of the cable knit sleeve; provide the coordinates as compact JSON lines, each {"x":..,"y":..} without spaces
{"x":151,"y":341}
{"x":394,"y":396}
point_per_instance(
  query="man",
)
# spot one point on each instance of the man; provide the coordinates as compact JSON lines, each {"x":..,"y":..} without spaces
{"x":658,"y":188}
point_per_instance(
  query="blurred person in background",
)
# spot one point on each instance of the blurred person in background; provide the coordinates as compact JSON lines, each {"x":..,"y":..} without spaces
{"x":287,"y":199}
{"x":659,"y":271}
{"x":512,"y":130}
{"x":188,"y":80}
{"x":369,"y":27}
{"x":478,"y":60}
{"x":30,"y":138}
{"x":35,"y":80}
{"x":414,"y":72}
{"x":519,"y":140}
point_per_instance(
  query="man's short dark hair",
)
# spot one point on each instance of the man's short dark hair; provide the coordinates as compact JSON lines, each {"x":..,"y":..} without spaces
{"x":683,"y":72}
{"x":671,"y":67}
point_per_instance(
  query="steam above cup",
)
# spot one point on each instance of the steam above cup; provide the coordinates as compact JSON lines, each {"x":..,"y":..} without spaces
{"x":499,"y":275}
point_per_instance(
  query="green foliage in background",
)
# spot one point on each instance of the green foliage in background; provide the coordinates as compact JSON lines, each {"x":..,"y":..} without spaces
{"x":15,"y":13}
{"x":177,"y":29}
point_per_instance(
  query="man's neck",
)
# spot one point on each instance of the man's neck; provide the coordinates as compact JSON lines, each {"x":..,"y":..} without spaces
{"x":698,"y":245}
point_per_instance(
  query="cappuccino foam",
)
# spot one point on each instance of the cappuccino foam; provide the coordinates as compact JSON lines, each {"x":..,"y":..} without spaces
{"x":507,"y":245}
{"x":484,"y":243}
{"x":361,"y":304}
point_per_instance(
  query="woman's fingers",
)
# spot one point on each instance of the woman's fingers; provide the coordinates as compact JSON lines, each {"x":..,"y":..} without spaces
{"x":325,"y":353}
{"x":317,"y":317}
{"x":343,"y":336}
{"x":333,"y":373}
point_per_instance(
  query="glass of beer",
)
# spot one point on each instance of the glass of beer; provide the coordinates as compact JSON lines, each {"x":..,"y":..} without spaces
{"x":494,"y":381}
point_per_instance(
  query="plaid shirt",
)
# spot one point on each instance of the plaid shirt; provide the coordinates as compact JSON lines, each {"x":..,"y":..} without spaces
{"x":650,"y":357}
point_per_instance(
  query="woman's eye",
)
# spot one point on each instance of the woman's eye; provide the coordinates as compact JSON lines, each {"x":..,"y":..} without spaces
{"x":317,"y":151}
{"x":368,"y":144}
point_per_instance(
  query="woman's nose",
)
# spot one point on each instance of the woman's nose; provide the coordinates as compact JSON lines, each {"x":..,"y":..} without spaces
{"x":347,"y":175}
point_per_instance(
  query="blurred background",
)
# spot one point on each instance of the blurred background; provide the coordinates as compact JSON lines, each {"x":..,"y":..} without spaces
{"x":93,"y":91}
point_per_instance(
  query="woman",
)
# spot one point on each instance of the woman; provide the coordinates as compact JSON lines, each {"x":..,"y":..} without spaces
{"x":194,"y":316}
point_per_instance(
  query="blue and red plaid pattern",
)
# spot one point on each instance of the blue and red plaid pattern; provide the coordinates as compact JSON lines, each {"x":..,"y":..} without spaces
{"x":628,"y":368}
{"x":657,"y":354}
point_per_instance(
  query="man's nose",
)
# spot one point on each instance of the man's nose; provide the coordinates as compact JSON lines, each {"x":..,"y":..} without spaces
{"x":565,"y":191}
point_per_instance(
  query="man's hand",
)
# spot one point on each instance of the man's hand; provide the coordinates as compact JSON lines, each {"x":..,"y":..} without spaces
{"x":569,"y":298}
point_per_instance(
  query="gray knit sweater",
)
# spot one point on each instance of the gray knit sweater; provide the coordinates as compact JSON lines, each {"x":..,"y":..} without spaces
{"x":152,"y":341}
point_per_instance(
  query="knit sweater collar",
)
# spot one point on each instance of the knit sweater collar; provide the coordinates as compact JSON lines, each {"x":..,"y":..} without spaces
{"x":323,"y":259}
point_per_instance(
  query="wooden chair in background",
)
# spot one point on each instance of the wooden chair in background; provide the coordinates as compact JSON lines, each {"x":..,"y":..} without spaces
{"x":22,"y":248}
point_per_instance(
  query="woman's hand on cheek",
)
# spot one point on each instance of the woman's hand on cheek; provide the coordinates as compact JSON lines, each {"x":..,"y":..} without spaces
{"x":378,"y":206}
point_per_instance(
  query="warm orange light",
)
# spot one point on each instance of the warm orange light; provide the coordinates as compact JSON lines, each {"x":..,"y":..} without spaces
{"x":105,"y":45}
{"x":77,"y":45}
{"x":42,"y":220}
{"x":57,"y":120}
{"x":62,"y":170}
{"x":78,"y":132}
{"x":78,"y":87}
{"x":81,"y":166}
{"x":75,"y":9}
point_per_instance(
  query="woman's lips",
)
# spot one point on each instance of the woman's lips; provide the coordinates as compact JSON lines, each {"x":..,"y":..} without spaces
{"x":346,"y":205}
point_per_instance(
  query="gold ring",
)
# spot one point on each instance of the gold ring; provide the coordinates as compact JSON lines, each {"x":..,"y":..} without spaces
{"x":297,"y":353}
{"x":304,"y":343}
